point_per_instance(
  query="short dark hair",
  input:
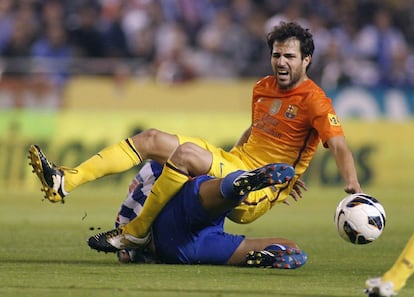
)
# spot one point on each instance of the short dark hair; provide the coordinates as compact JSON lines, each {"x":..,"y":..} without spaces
{"x":286,"y":30}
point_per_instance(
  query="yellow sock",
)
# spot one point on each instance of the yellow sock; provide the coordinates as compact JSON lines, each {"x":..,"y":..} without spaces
{"x":112,"y":159}
{"x":403,"y":268}
{"x":167,"y":185}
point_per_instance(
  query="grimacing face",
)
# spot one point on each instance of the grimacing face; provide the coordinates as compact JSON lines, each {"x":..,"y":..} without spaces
{"x":287,"y":64}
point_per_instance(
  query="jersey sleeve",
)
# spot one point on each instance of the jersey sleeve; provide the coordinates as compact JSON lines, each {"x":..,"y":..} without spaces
{"x":324,"y":119}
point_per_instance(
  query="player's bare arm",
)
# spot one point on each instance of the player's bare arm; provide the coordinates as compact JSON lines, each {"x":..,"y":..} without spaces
{"x":345,"y":163}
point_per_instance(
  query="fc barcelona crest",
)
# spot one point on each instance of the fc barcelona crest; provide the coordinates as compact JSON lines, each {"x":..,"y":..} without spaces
{"x":291,"y":111}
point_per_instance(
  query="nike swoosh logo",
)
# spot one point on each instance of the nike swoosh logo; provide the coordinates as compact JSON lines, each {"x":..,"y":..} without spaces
{"x":153,"y":193}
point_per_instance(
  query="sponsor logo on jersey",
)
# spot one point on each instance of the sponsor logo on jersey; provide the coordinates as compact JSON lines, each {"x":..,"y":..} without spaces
{"x":291,"y":111}
{"x":275,"y":106}
{"x":333,"y":119}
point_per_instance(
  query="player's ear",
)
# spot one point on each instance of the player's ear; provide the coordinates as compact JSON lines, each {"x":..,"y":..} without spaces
{"x":306,"y":61}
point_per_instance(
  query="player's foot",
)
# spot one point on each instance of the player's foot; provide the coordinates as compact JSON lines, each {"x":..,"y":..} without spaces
{"x":376,"y":287}
{"x":51,"y":177}
{"x":281,"y":257}
{"x":115,"y":240}
{"x":135,"y":256}
{"x":268,"y":175}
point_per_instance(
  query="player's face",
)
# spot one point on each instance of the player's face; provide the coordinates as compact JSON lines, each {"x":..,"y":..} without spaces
{"x":288,"y":66}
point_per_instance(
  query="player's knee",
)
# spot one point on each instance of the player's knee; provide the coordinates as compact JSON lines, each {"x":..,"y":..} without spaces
{"x":145,"y":139}
{"x":149,"y":134}
{"x":155,"y":144}
{"x":190,"y":156}
{"x":185,"y":154}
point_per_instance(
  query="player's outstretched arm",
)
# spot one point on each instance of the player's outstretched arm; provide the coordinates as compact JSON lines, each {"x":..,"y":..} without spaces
{"x":345,"y":163}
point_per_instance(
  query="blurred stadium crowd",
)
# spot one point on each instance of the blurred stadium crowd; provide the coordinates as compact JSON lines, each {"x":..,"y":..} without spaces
{"x":360,"y":42}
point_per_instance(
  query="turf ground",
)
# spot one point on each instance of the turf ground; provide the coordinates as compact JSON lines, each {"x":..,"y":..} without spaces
{"x":43,"y":251}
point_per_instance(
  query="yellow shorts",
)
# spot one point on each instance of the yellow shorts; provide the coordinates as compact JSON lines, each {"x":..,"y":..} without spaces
{"x":256,"y":203}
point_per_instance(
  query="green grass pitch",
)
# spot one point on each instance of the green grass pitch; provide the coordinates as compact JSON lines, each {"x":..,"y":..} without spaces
{"x":43,"y":250}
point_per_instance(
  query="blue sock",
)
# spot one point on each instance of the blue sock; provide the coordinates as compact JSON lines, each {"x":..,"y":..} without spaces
{"x":226,"y":186}
{"x":275,"y":247}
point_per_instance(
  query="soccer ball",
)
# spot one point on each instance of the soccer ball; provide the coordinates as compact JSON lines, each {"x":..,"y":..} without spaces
{"x":360,"y":218}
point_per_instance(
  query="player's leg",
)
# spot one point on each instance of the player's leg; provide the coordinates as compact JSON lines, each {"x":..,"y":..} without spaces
{"x":174,"y":228}
{"x":403,"y":268}
{"x":254,"y":206}
{"x":268,"y":252}
{"x":187,"y":160}
{"x":215,"y":198}
{"x":57,"y":182}
{"x":221,"y":195}
{"x":395,"y":278}
{"x":261,"y":252}
{"x":138,"y":191}
{"x":193,"y":160}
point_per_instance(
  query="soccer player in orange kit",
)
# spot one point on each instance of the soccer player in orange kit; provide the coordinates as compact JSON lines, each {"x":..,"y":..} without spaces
{"x":290,"y":116}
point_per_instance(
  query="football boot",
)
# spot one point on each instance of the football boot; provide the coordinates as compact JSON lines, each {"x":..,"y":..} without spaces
{"x":115,"y":240}
{"x":51,"y":177}
{"x":277,"y":256}
{"x":268,"y":175}
{"x":376,"y":287}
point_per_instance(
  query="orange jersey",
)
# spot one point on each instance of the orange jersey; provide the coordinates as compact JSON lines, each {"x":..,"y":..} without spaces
{"x":287,"y":126}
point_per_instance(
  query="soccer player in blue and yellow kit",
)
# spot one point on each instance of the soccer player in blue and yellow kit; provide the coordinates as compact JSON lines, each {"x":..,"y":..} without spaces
{"x":290,"y":116}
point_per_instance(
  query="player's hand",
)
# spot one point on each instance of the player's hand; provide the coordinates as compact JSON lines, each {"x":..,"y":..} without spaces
{"x":353,"y":188}
{"x":297,"y":191}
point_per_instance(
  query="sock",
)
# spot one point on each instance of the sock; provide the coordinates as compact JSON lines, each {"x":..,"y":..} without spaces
{"x":403,"y":268}
{"x":226,"y":186}
{"x":112,"y":159}
{"x":165,"y":187}
{"x":275,"y":247}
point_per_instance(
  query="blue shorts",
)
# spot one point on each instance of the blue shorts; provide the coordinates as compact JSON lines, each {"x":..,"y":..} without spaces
{"x":183,"y":233}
